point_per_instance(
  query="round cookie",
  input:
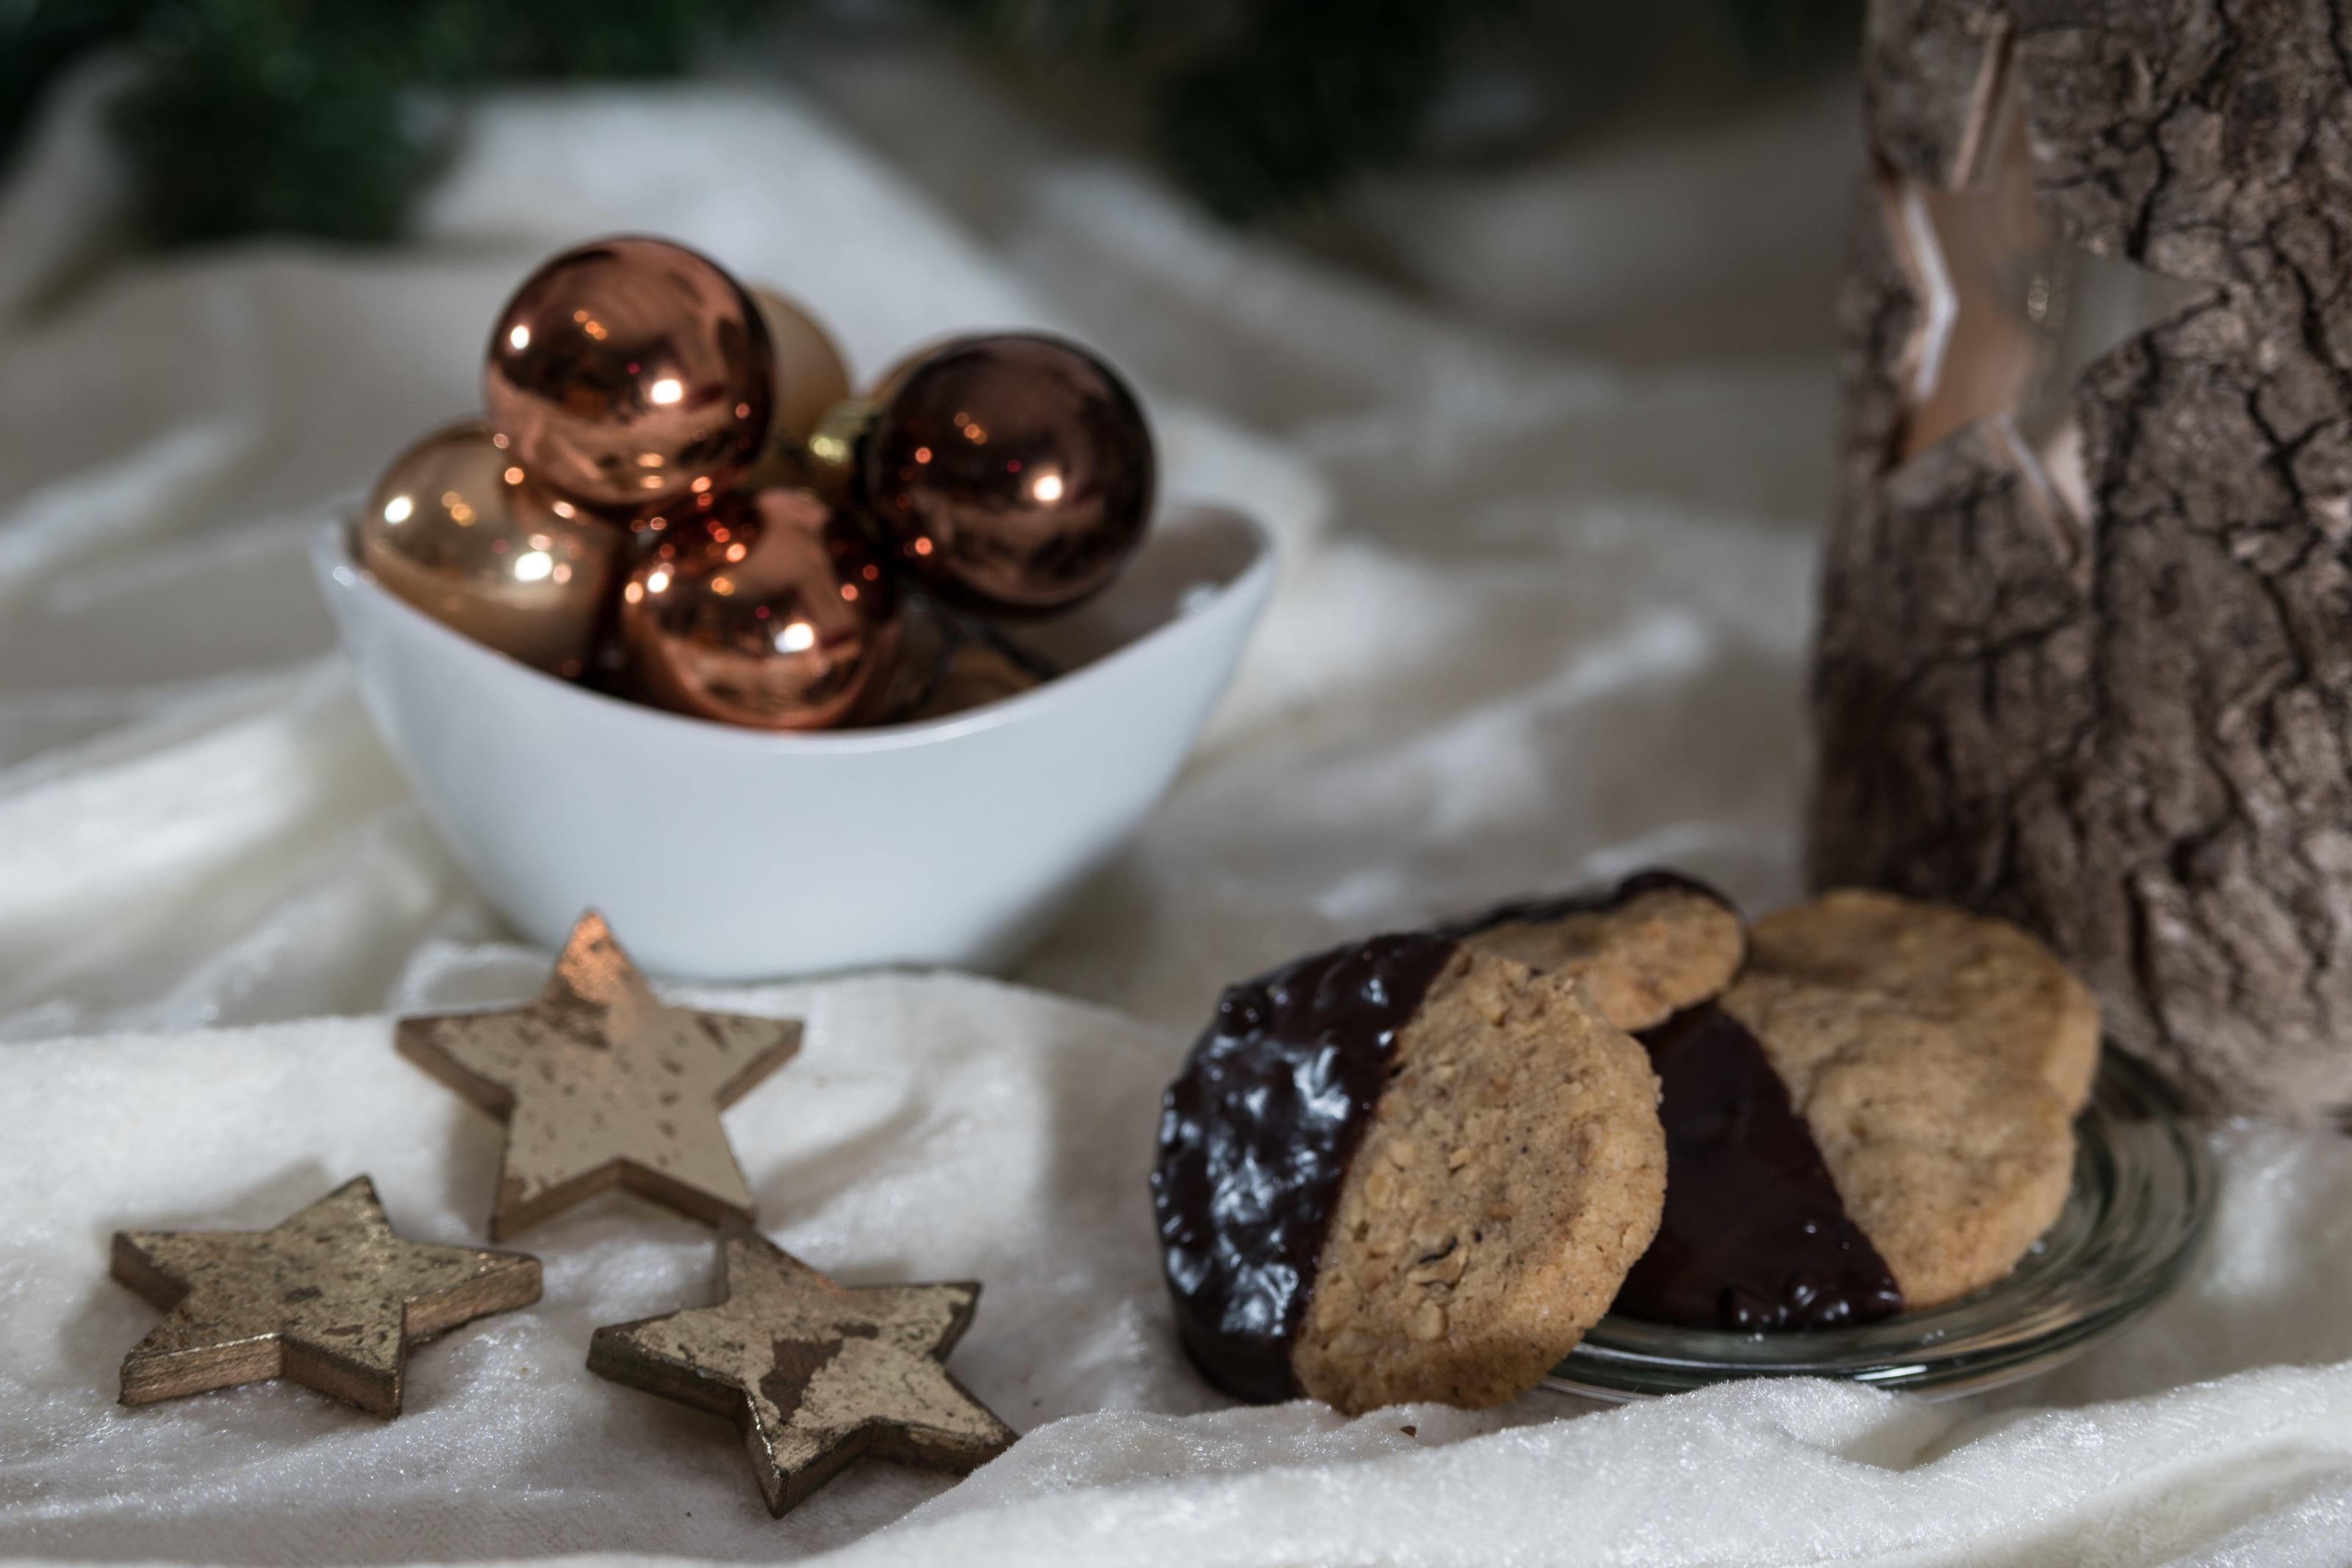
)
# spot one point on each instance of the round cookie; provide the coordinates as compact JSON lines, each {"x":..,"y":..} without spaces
{"x":1403,"y":1170}
{"x":1656,"y":943}
{"x":1996,"y":985}
{"x":1952,"y":1159}
{"x":1754,"y":1236}
{"x":1513,"y":1171}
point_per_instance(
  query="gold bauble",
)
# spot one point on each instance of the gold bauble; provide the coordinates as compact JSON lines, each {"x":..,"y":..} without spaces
{"x":457,"y":530}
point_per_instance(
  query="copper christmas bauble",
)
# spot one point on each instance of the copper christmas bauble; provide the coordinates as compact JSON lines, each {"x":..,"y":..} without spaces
{"x":455,"y":528}
{"x":629,"y":371}
{"x":770,"y":610}
{"x":1012,"y":472}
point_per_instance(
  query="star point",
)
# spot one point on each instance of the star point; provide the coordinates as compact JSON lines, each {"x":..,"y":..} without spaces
{"x":328,"y":1297}
{"x":600,"y":1086}
{"x":2010,"y":316}
{"x":816,"y":1374}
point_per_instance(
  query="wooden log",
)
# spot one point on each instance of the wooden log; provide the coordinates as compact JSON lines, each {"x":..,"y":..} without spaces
{"x":2103,"y":687}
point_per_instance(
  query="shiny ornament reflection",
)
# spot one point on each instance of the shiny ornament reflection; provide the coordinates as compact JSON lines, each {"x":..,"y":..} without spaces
{"x":455,"y":528}
{"x":629,"y":371}
{"x":769,"y":610}
{"x":1012,"y":472}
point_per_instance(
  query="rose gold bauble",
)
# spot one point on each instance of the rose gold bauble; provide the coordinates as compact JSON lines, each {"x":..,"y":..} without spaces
{"x":456,"y":530}
{"x":770,"y":610}
{"x":1012,"y":472}
{"x":629,"y":371}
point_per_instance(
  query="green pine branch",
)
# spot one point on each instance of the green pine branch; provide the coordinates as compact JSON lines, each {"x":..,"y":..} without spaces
{"x":329,"y":117}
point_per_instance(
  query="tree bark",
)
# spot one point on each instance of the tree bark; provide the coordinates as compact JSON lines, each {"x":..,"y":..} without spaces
{"x":2126,"y":727}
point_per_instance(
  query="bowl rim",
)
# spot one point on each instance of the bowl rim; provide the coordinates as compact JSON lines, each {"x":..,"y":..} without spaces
{"x":334,"y":564}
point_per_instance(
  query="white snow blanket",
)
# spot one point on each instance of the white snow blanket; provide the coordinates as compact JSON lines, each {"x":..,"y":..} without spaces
{"x":1542,"y":620}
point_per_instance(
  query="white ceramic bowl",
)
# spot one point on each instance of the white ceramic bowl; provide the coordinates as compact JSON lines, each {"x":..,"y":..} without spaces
{"x":725,"y":853}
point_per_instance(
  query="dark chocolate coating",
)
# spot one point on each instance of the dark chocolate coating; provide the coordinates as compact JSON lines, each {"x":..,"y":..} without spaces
{"x":1255,"y":1138}
{"x":1754,"y":1235}
{"x":1535,"y":911}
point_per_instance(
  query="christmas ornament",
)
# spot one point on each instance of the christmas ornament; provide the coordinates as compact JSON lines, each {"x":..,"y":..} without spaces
{"x":329,"y":1298}
{"x":816,"y":1376}
{"x":2086,"y":673}
{"x":985,"y":668}
{"x":810,"y":375}
{"x":1012,"y":472}
{"x":810,"y":380}
{"x":769,"y":610}
{"x":602,"y":1086}
{"x":928,"y":635}
{"x":455,"y":528}
{"x":948,"y":661}
{"x":631,"y":385}
{"x":628,"y":372}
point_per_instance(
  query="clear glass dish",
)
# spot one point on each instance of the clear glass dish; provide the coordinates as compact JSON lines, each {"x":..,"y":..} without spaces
{"x":2143,"y":1193}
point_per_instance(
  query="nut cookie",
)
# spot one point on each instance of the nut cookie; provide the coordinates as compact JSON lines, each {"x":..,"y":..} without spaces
{"x":1754,"y":1236}
{"x":1997,"y":985}
{"x":1403,"y":1169}
{"x":1513,"y":1170}
{"x":1657,"y":944}
{"x":1950,"y":1157}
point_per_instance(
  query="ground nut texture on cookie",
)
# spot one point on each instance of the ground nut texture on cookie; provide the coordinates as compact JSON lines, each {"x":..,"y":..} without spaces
{"x":1473,"y":1150}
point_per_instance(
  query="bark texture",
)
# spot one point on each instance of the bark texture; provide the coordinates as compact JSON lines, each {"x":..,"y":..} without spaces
{"x":2130,"y":731}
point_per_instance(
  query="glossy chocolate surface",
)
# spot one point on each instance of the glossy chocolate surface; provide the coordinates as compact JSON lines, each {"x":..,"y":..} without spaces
{"x":1754,"y":1236}
{"x":1254,"y":1139}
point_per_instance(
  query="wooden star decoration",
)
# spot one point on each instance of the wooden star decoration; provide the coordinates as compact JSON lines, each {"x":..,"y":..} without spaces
{"x":2010,"y":317}
{"x":329,"y":1298}
{"x":602,"y":1086}
{"x":816,"y":1374}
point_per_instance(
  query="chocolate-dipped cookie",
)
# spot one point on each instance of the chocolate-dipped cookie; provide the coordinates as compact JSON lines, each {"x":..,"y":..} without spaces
{"x":1949,"y":1155}
{"x":1403,"y":1169}
{"x":1874,"y":1117}
{"x":1655,"y":944}
{"x":1754,"y":1235}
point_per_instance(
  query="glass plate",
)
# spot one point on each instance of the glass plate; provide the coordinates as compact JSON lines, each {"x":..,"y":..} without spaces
{"x":2143,"y":1192}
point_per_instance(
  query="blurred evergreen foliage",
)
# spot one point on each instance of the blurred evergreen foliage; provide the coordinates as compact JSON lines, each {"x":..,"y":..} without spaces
{"x":327,"y":117}
{"x":318,"y":116}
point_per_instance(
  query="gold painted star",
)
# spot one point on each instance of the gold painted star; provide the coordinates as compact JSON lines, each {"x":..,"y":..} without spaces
{"x":815,"y":1374}
{"x":329,"y":1298}
{"x":602,"y":1086}
{"x":2009,"y":317}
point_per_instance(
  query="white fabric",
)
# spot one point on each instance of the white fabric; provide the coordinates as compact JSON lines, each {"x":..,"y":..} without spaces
{"x":1542,"y":620}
